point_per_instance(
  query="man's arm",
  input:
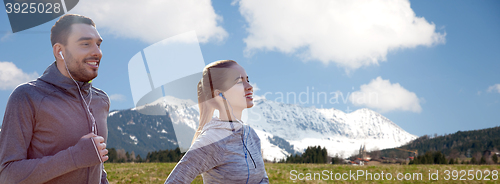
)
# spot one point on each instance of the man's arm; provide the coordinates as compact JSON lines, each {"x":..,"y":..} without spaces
{"x":15,"y":138}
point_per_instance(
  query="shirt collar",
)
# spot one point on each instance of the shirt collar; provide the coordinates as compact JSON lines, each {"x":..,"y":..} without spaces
{"x":53,"y":76}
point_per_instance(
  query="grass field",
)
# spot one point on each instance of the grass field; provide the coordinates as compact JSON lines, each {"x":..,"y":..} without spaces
{"x":281,"y":173}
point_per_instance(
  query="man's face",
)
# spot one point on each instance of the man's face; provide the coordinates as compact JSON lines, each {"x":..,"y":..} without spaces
{"x":83,"y":52}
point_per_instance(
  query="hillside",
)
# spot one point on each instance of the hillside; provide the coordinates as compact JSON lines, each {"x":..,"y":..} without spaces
{"x":459,"y":144}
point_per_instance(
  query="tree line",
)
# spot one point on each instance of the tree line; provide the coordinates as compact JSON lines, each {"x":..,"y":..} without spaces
{"x":121,"y":156}
{"x":313,"y":154}
{"x":436,"y":157}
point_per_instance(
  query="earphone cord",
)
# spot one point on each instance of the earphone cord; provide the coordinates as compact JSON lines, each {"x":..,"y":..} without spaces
{"x":94,"y":129}
{"x":242,"y":140}
{"x":246,"y":160}
{"x":232,"y":112}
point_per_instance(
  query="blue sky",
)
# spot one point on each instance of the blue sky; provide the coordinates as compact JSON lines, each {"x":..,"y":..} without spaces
{"x":434,"y":65}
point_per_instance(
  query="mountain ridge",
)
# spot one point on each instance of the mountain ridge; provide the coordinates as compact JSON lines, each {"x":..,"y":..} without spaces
{"x":283,"y":128}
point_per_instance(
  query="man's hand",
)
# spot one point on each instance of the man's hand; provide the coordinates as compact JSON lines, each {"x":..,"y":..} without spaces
{"x":99,"y":143}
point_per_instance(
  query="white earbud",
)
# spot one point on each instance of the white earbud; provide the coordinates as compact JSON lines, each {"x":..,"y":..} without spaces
{"x":60,"y":53}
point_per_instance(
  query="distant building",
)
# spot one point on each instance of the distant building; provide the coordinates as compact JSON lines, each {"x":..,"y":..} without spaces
{"x":362,"y":151}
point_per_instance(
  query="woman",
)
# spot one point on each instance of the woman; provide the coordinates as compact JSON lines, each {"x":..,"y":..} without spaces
{"x":224,"y":150}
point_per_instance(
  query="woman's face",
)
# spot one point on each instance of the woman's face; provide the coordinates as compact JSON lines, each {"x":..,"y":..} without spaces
{"x":240,"y":95}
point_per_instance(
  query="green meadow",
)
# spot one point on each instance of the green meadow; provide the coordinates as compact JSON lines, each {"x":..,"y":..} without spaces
{"x":324,"y":173}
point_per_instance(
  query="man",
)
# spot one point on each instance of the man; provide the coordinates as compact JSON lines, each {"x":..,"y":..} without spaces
{"x":54,"y":128}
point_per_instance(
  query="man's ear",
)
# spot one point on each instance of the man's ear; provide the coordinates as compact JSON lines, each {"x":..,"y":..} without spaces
{"x":56,"y":49}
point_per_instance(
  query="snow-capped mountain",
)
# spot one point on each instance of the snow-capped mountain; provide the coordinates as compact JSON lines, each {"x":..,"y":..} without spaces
{"x":283,"y":128}
{"x":341,"y":133}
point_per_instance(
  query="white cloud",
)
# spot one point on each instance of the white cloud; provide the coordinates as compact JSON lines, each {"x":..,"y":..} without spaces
{"x":351,"y":34}
{"x":6,"y":36}
{"x":255,"y":87}
{"x":152,"y":21}
{"x":117,"y":97}
{"x":494,"y":88}
{"x":11,"y":76}
{"x":383,"y":96}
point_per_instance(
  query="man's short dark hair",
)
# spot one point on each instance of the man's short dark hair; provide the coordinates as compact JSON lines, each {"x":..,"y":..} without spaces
{"x":60,"y":31}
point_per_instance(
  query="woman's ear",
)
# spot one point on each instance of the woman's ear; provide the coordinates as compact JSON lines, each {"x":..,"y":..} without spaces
{"x":216,"y":93}
{"x":216,"y":101}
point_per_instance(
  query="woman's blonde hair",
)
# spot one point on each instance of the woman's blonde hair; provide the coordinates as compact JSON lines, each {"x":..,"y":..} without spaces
{"x":215,"y":76}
